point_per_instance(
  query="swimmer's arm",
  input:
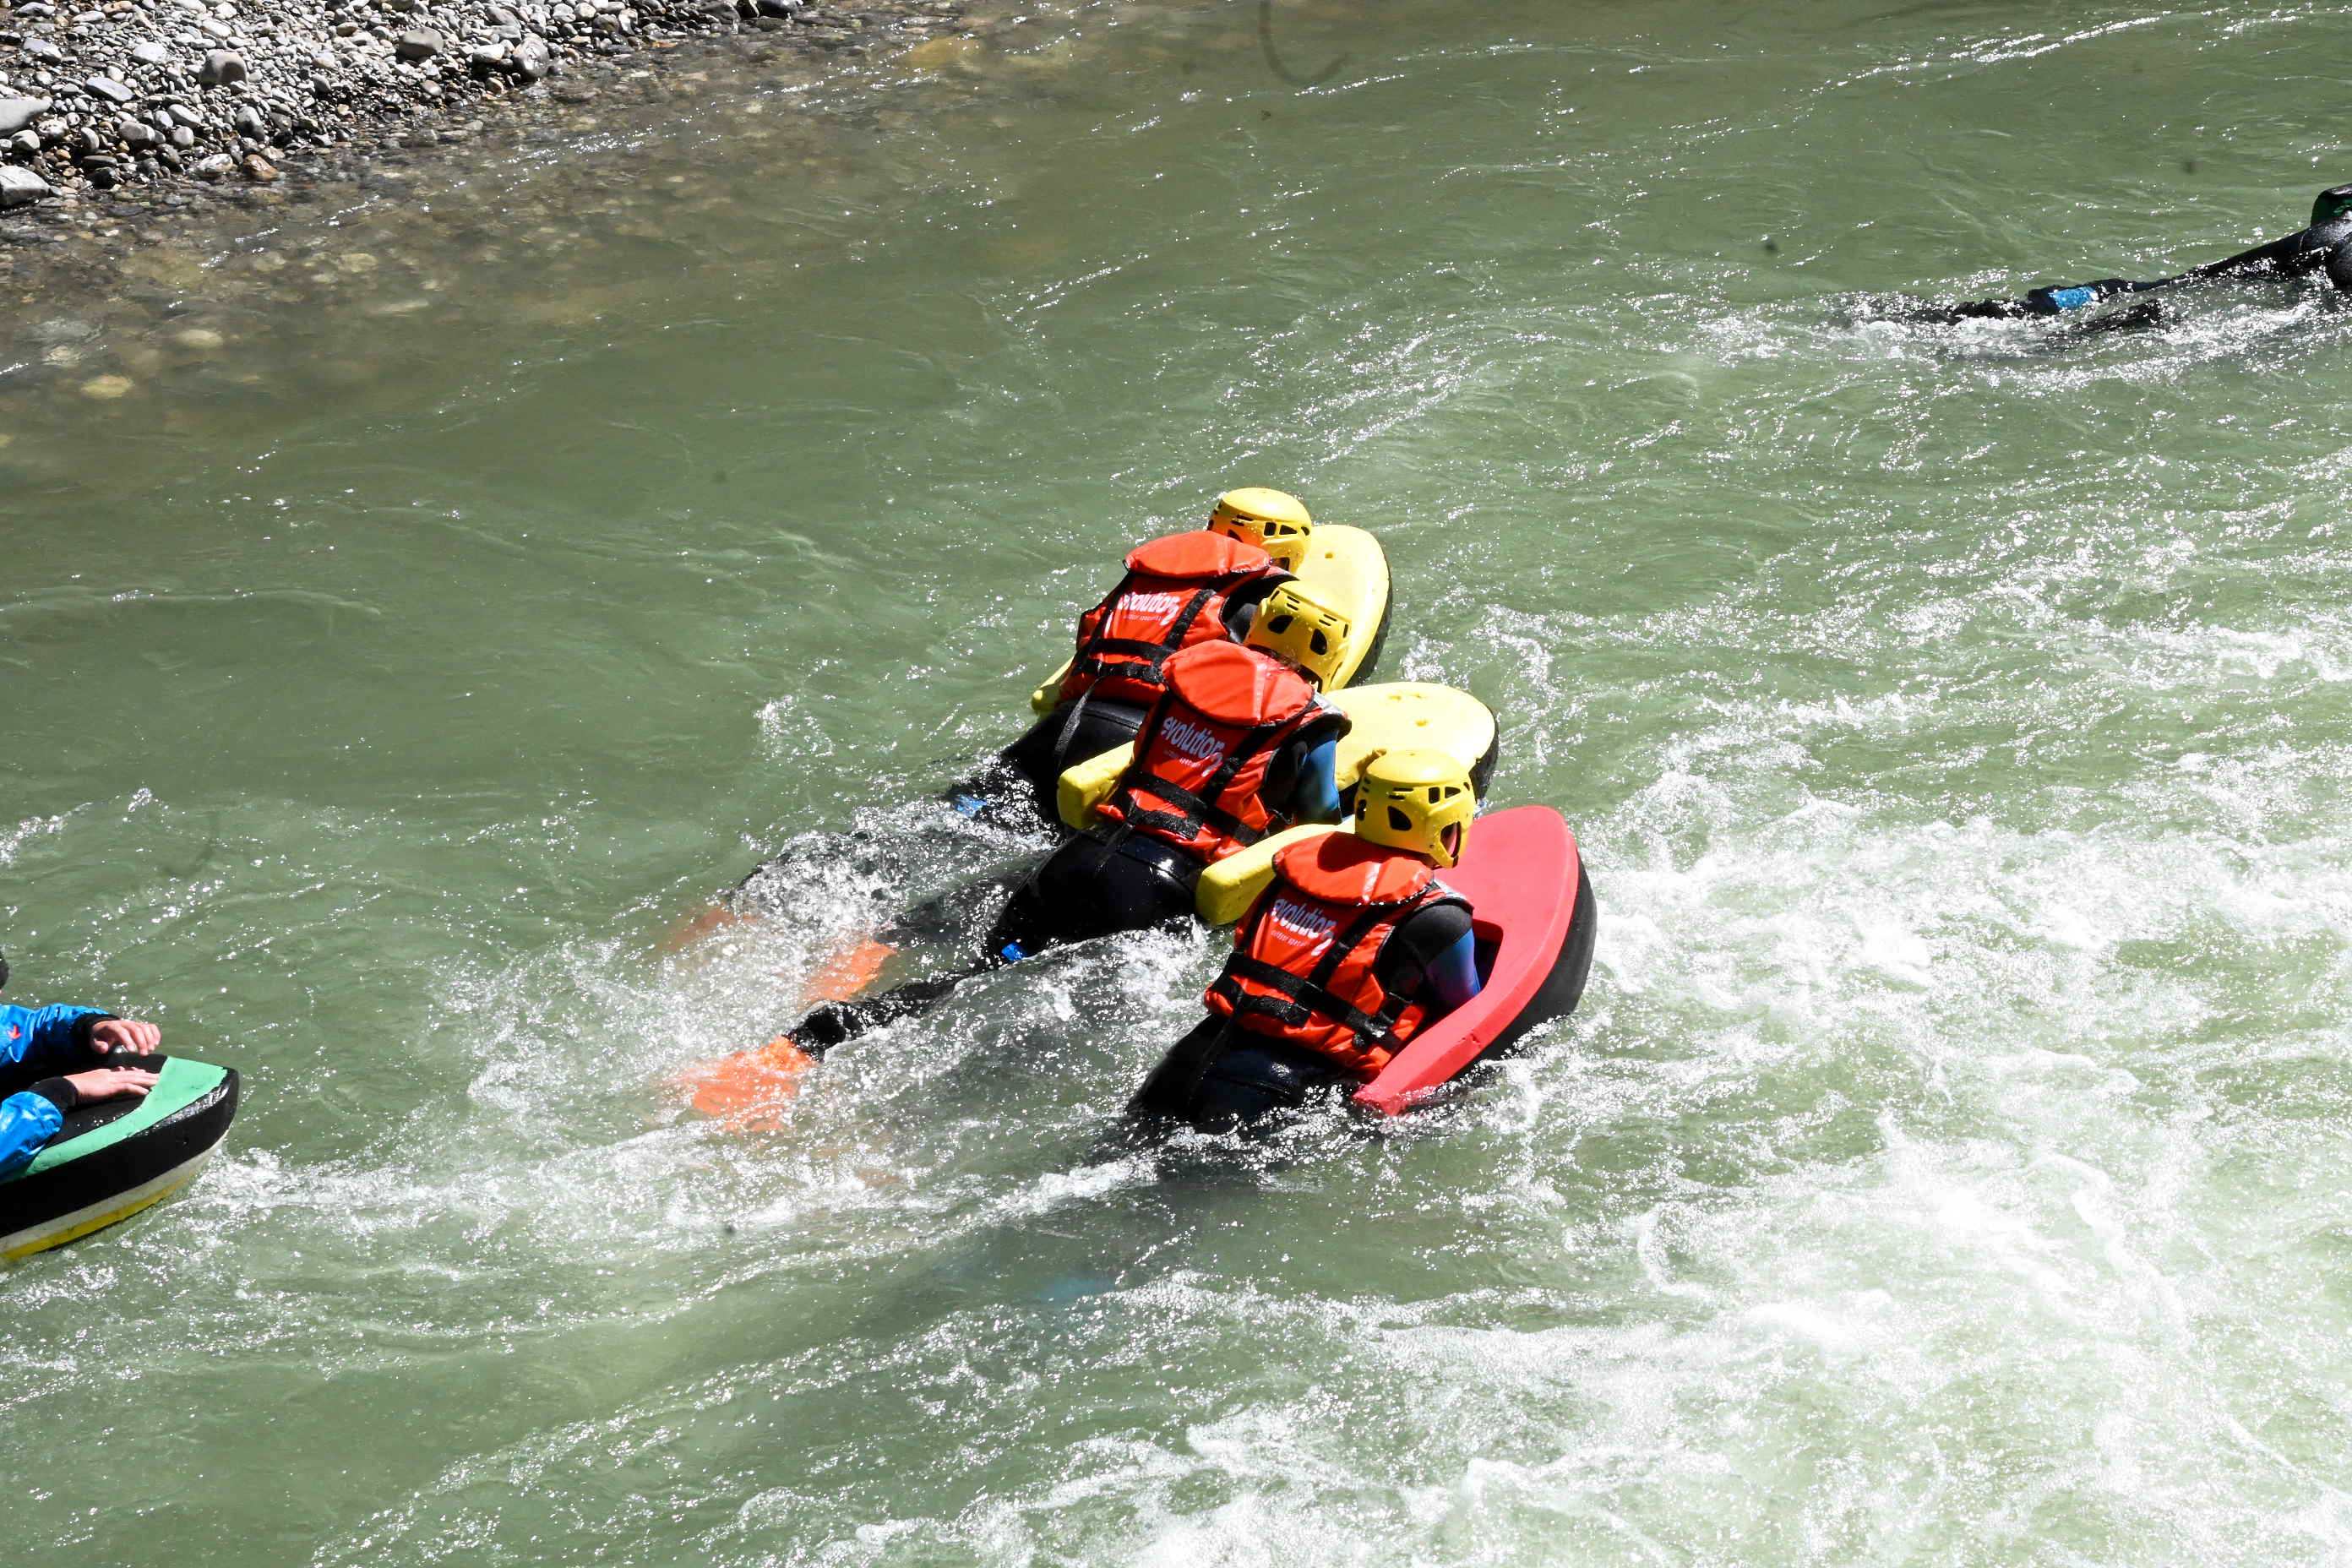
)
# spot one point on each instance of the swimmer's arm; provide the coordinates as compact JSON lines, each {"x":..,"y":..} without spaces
{"x":1316,"y":797}
{"x":31,"y":1119}
{"x":1452,"y":976}
{"x":44,"y":1036}
{"x":27,"y":1120}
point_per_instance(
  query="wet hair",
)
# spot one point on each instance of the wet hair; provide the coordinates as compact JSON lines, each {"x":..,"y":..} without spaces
{"x":2331,"y":202}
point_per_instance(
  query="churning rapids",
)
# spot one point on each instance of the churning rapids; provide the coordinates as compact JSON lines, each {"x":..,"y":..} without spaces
{"x":1948,"y":1163}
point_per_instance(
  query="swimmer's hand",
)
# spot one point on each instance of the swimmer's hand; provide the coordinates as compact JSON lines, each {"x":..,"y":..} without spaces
{"x":127,"y":1035}
{"x":111,"y":1083}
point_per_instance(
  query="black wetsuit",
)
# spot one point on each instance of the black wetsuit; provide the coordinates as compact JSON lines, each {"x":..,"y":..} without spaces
{"x":1084,"y":726}
{"x":2323,"y":247}
{"x":1102,"y":881}
{"x":1219,"y":1076}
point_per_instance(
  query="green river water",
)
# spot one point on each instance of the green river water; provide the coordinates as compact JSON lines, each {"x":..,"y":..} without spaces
{"x":1946,"y":1166}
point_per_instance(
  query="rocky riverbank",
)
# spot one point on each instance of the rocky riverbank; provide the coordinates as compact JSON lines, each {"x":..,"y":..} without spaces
{"x":168,"y":93}
{"x":616,"y":199}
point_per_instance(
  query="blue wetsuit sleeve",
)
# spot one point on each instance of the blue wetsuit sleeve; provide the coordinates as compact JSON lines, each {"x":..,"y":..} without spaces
{"x":1316,"y":796}
{"x":1453,"y":978}
{"x":41,"y":1037}
{"x":27,"y":1121}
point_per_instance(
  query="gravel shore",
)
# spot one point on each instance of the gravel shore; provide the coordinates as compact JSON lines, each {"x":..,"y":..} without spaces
{"x":159,"y":93}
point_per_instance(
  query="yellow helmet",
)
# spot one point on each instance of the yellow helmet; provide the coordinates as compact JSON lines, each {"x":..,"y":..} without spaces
{"x":1295,"y":624}
{"x":1417,"y":799}
{"x":1273,"y":519}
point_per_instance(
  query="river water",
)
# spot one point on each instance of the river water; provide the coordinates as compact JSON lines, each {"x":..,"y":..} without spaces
{"x":472,"y":571}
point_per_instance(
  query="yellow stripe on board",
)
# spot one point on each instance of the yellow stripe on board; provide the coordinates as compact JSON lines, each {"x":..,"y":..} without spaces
{"x":80,"y":1228}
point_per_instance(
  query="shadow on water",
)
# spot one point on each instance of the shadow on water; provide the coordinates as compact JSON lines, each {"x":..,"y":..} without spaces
{"x":1274,"y":59}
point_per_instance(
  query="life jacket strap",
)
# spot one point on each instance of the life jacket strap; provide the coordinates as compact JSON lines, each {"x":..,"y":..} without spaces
{"x":1090,"y":657}
{"x":1192,"y":812}
{"x":1299,"y":998}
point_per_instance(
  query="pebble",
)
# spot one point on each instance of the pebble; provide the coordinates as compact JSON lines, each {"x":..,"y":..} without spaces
{"x":221,"y":67}
{"x":418,"y":44}
{"x":16,"y":113}
{"x":152,"y":53}
{"x":258,"y":168}
{"x":199,"y":339}
{"x":107,"y":88}
{"x":107,"y":388}
{"x":45,"y":52}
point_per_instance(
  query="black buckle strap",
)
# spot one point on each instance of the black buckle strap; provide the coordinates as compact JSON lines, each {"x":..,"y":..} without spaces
{"x":1192,"y":813}
{"x":1090,"y":661}
{"x":1298,"y":998}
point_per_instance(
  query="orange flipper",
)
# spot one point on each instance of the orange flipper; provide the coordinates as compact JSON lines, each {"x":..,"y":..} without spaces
{"x":747,"y":1089}
{"x":688,"y":931}
{"x":845,"y":974}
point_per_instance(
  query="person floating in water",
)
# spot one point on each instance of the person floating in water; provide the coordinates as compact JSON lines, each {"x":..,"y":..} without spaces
{"x":41,"y":1040}
{"x":1354,"y":947}
{"x":1180,"y":590}
{"x":2325,"y":246}
{"x":1239,"y":745}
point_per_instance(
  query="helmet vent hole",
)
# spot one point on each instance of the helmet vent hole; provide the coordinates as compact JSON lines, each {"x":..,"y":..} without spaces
{"x":1399,"y":821}
{"x":1321,"y":643}
{"x":1280,"y":625}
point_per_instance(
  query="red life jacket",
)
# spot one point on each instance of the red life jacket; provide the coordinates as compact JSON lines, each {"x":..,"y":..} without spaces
{"x":1302,"y":969}
{"x":1173,"y":596}
{"x":1201,"y":756}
